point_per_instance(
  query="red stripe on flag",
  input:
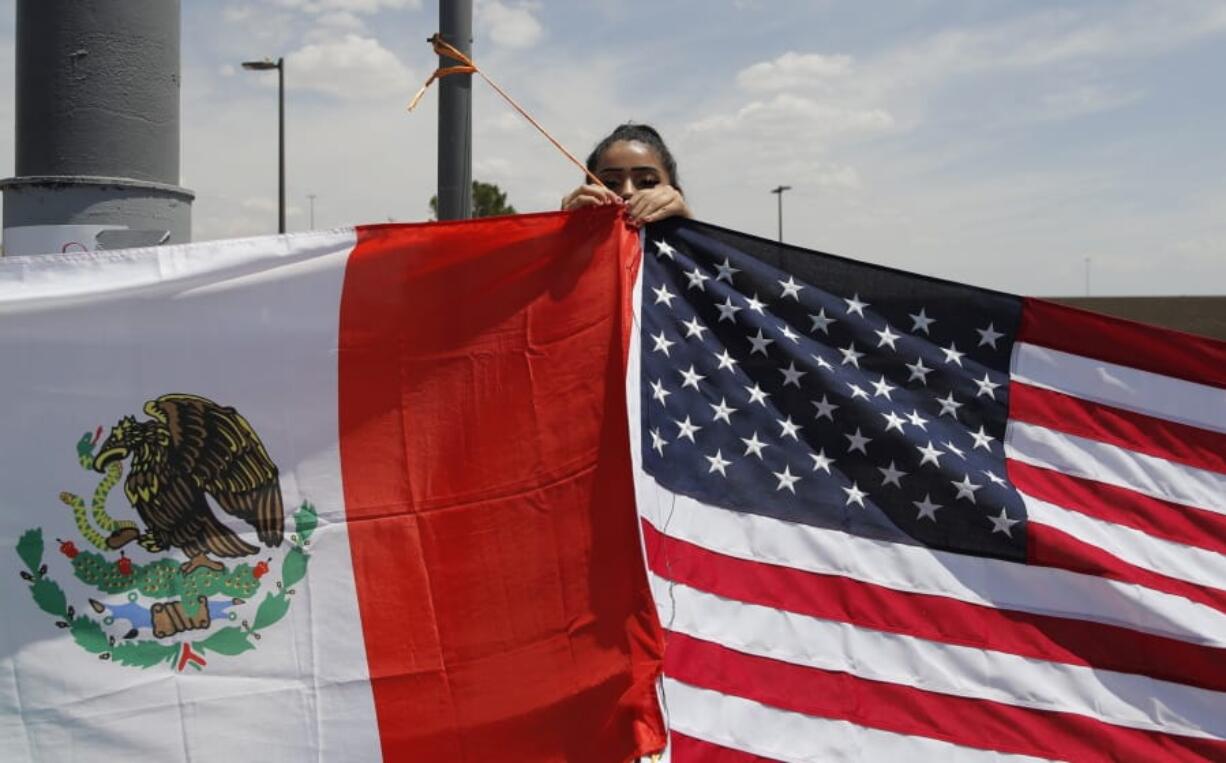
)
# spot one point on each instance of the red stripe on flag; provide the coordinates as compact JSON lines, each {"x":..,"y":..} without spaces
{"x":935,"y":618}
{"x":1051,"y":547}
{"x":977,"y":723}
{"x":1123,"y":342}
{"x":1161,"y":519}
{"x":484,"y":450}
{"x":1157,"y":437}
{"x":685,"y":749}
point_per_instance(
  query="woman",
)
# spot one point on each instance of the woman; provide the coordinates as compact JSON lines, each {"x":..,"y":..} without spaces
{"x":638,"y":170}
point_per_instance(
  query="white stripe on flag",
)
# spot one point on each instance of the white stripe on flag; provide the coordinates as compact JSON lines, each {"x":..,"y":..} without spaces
{"x":758,"y":729}
{"x":1177,"y":560}
{"x":914,"y":569}
{"x":1117,"y":698}
{"x":249,"y":323}
{"x":1102,"y":462}
{"x":1145,"y":392}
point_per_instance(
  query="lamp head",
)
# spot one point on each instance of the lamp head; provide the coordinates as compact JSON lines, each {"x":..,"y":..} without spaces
{"x":260,"y":66}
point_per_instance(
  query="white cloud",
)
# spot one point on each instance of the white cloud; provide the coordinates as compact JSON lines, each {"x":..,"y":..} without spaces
{"x":342,"y":21}
{"x":352,"y":67}
{"x":792,"y":70}
{"x":510,"y":25}
{"x":235,"y":14}
{"x":1080,"y":99}
{"x":795,"y":118}
{"x":347,"y":6}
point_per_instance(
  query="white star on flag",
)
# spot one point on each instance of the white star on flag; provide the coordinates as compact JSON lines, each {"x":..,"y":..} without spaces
{"x":1002,"y":523}
{"x":989,"y":336}
{"x":887,"y":337}
{"x":786,"y":480}
{"x":820,"y":461}
{"x":825,"y":408}
{"x":986,"y":386}
{"x":658,"y":392}
{"x":821,"y":322}
{"x":791,"y":375}
{"x":728,"y":311}
{"x":927,"y":509}
{"x":726,"y":361}
{"x":921,"y":321}
{"x":931,"y":455}
{"x":691,"y":377}
{"x":849,"y":355}
{"x":855,"y":495}
{"x":753,"y":445}
{"x":662,"y":344}
{"x":919,"y":371}
{"x":694,"y":328}
{"x":718,"y":464}
{"x":688,"y":430}
{"x":966,"y":488}
{"x":891,"y":475}
{"x":952,"y":355}
{"x":756,"y":395}
{"x":760,"y":342}
{"x":698,"y":279}
{"x":791,"y":289}
{"x":857,"y":442}
{"x":722,"y":411}
{"x":725,"y":271}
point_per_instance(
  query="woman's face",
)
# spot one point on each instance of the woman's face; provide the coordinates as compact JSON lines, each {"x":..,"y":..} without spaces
{"x":628,"y":166}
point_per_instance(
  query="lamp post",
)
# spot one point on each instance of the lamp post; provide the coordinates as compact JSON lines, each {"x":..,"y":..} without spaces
{"x":779,"y":193}
{"x":266,"y":65}
{"x":311,"y":199}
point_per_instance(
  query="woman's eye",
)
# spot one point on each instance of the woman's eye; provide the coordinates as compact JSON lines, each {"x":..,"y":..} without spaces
{"x":646,"y":182}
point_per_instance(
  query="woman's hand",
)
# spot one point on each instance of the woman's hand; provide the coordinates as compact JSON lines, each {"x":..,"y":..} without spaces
{"x":589,"y":196}
{"x":652,"y":204}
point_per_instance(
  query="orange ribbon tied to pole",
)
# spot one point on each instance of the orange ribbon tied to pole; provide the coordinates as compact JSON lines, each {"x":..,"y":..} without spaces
{"x":466,"y":66}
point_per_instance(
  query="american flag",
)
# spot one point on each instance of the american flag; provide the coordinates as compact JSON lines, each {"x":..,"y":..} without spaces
{"x":888,"y":515}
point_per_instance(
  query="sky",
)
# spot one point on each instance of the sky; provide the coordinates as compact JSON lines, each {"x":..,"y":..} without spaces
{"x":1003,"y":144}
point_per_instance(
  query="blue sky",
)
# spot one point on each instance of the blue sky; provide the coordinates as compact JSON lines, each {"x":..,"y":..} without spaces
{"x":996,"y":143}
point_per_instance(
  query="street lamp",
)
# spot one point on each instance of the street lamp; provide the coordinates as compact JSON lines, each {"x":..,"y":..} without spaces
{"x":263,"y":66}
{"x":779,"y":192}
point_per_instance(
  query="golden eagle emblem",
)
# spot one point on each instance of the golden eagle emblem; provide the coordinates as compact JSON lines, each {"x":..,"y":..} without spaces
{"x":193,"y":449}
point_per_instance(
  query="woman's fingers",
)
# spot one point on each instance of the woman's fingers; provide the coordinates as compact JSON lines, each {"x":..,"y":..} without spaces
{"x":657,"y":204}
{"x":589,"y":196}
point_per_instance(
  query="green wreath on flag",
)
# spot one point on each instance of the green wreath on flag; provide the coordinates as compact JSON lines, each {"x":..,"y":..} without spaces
{"x":161,"y":597}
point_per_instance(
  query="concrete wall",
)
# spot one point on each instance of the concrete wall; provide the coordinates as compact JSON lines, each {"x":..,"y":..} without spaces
{"x":1196,"y":315}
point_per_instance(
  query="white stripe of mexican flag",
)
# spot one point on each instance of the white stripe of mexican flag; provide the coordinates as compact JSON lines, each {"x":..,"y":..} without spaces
{"x":90,"y":339}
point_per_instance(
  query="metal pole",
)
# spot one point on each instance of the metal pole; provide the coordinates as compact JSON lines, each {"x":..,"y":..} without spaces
{"x":1087,"y":276}
{"x":778,"y":191}
{"x":280,"y":145}
{"x":455,"y":115}
{"x":311,"y":199}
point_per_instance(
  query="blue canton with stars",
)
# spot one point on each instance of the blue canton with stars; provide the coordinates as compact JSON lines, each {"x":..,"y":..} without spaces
{"x":814,"y":389}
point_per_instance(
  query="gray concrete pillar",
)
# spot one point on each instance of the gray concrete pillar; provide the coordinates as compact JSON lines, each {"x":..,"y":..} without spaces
{"x":97,"y":133}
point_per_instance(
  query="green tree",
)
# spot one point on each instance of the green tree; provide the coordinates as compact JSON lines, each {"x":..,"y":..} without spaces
{"x":488,"y":200}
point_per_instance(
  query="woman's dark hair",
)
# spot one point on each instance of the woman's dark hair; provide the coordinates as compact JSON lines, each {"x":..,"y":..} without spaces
{"x":645,"y":134}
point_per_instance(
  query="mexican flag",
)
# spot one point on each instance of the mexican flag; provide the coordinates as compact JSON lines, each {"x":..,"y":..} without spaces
{"x":346,"y":495}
